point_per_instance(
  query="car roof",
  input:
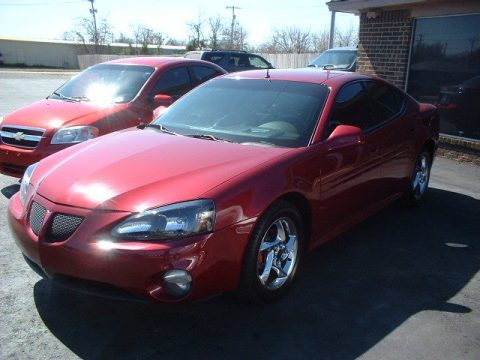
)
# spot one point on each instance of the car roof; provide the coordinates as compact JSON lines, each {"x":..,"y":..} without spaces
{"x":308,"y":75}
{"x":343,"y":48}
{"x":229,"y":51}
{"x":156,"y":61}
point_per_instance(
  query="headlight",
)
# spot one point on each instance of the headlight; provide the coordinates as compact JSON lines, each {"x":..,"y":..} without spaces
{"x":26,"y":182}
{"x":169,"y":222}
{"x":74,"y":134}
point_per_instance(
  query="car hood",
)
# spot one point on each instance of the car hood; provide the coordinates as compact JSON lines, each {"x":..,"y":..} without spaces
{"x":51,"y":113}
{"x":134,"y":170}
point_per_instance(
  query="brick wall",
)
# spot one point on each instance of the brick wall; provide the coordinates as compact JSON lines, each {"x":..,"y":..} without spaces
{"x":384,"y":45}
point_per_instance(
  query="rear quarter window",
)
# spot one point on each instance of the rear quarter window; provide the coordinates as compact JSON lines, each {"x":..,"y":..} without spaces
{"x":203,"y":73}
{"x":386,"y":101}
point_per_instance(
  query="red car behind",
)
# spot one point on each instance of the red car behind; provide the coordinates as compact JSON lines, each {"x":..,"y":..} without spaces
{"x":227,"y":188}
{"x":106,"y":97}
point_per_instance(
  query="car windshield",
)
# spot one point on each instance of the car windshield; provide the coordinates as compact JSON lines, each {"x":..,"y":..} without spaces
{"x":337,"y":59}
{"x":105,"y":83}
{"x":260,"y":111}
{"x":472,"y":83}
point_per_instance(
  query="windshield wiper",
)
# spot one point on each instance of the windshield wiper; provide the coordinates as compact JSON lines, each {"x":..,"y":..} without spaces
{"x":71,"y":98}
{"x":63,"y":97}
{"x":81,"y":98}
{"x":208,"y":137}
{"x":159,"y":127}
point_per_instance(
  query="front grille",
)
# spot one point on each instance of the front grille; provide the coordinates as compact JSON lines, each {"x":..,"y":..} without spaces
{"x":36,"y":218}
{"x":21,"y":136}
{"x":62,"y":227}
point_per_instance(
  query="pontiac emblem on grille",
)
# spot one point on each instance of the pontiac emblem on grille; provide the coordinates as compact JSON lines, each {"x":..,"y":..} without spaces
{"x":19,"y":136}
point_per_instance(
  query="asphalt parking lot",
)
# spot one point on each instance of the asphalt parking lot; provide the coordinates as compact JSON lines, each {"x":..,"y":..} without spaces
{"x":405,"y":284}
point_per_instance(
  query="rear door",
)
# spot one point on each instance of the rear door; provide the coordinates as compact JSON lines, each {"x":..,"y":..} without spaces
{"x":173,"y":82}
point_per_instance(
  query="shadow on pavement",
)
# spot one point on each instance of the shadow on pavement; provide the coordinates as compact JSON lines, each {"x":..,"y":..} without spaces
{"x":351,"y":293}
{"x":9,"y":191}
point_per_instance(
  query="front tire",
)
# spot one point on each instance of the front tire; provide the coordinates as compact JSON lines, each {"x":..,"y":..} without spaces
{"x":272,"y":255}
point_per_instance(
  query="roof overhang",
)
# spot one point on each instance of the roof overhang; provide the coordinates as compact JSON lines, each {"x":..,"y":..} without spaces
{"x":358,"y":6}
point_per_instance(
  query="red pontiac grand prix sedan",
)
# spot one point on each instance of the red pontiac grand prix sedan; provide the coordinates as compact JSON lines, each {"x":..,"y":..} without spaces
{"x":227,"y":188}
{"x":106,"y":97}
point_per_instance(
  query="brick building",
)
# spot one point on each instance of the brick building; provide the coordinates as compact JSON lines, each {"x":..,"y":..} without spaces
{"x":431,"y":48}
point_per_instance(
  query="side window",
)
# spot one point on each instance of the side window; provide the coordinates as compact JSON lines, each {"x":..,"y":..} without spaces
{"x":175,"y":83}
{"x":214,"y":57}
{"x":201,"y":74}
{"x":386,"y":102}
{"x":351,"y":107}
{"x":239,"y":61}
{"x":258,"y":62}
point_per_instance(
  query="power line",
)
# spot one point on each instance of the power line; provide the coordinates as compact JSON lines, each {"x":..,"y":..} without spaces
{"x":41,"y":3}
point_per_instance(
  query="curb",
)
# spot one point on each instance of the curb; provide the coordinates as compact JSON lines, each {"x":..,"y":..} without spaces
{"x":460,"y":142}
{"x":38,"y":71}
{"x":460,"y":149}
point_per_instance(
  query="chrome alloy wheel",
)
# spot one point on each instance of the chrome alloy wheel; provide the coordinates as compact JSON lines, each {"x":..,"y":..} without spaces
{"x":420,"y":179}
{"x":277,"y":254}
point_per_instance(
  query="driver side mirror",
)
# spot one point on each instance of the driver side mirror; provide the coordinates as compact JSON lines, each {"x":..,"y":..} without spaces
{"x":162,"y":100}
{"x":345,"y":135}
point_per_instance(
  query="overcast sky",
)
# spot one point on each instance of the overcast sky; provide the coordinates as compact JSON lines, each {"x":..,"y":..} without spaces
{"x":48,"y":19}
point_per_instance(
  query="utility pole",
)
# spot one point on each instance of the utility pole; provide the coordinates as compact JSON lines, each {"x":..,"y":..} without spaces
{"x":233,"y":7}
{"x":95,"y":35}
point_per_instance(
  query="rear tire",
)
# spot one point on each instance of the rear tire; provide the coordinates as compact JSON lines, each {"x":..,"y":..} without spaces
{"x":419,"y":180}
{"x":272,"y":255}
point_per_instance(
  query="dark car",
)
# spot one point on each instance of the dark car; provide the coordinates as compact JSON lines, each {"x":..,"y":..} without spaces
{"x":231,"y":60}
{"x":341,"y":58}
{"x":106,"y":97}
{"x":460,"y":105}
{"x":228,"y":188}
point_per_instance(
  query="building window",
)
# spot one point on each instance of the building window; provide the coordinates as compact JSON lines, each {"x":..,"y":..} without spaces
{"x":445,"y":71}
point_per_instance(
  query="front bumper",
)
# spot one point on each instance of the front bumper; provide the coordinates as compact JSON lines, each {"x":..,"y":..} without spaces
{"x":91,"y":255}
{"x":14,"y":160}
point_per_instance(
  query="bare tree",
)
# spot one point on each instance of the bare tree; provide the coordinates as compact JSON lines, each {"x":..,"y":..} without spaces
{"x":84,"y":32}
{"x":239,"y":37}
{"x":289,"y":40}
{"x":69,"y":36}
{"x":197,"y":40}
{"x":104,"y":32}
{"x":175,"y":42}
{"x":346,"y":37}
{"x":216,"y":29}
{"x":320,"y":41}
{"x":123,"y":38}
{"x":144,"y":36}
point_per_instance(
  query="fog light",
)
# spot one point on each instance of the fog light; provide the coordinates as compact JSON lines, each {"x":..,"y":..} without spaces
{"x":177,"y":283}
